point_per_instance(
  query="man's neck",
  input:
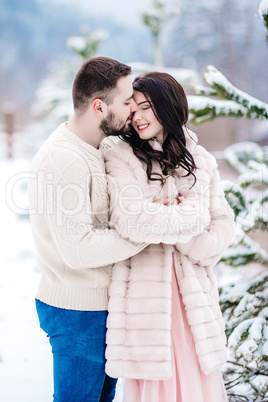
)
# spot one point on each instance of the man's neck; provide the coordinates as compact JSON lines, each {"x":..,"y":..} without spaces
{"x":86,"y":130}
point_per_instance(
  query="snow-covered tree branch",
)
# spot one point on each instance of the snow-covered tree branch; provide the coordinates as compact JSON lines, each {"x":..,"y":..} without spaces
{"x":58,"y":104}
{"x":244,"y":303}
{"x":234,"y":102}
{"x":263,"y":13}
{"x":248,"y":197}
{"x":244,"y":306}
{"x":86,"y":45}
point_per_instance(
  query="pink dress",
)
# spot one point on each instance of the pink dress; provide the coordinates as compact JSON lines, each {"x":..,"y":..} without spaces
{"x":188,"y":383}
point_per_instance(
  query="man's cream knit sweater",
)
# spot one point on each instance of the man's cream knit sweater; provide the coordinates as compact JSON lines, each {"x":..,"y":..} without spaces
{"x":68,"y":205}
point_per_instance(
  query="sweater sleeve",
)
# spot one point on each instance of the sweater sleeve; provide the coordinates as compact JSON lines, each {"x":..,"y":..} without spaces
{"x":140,"y":219}
{"x":68,"y":211}
{"x":207,"y":247}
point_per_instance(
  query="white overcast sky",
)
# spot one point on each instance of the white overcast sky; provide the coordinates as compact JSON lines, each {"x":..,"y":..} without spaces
{"x":123,"y":11}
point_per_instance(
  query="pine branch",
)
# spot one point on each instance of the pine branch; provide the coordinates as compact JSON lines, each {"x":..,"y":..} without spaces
{"x":203,"y":109}
{"x":259,"y":283}
{"x":239,"y":155}
{"x":252,"y":370}
{"x":235,"y":197}
{"x":237,"y":398}
{"x":263,"y":13}
{"x":265,"y":19}
{"x":263,"y":392}
{"x":240,"y":256}
{"x":235,"y":102}
{"x":155,"y":18}
{"x":254,"y":177}
{"x":225,"y":89}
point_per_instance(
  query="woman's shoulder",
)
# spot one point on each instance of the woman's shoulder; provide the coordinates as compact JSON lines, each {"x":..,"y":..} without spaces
{"x":120,"y":150}
{"x":122,"y":157}
{"x":200,"y":154}
{"x":204,"y":160}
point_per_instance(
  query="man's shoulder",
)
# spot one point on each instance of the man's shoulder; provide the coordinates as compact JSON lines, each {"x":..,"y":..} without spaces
{"x":57,"y":151}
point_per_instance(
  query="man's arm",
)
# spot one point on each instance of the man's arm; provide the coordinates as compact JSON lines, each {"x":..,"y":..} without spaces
{"x":67,"y":208}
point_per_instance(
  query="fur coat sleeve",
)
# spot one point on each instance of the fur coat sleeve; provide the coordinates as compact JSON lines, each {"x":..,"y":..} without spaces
{"x":206,"y":248}
{"x":134,"y":214}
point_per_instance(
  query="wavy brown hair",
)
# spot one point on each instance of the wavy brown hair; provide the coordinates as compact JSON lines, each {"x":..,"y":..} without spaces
{"x":169,"y":104}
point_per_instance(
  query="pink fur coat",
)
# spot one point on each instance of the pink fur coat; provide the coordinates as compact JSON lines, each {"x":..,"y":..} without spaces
{"x":194,"y":233}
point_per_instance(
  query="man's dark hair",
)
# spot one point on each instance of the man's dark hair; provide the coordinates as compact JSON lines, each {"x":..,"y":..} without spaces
{"x":97,"y":78}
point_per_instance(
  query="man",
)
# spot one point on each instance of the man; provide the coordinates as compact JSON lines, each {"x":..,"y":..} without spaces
{"x":69,"y":216}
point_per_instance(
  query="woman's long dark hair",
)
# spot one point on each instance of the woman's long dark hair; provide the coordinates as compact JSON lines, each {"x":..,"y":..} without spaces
{"x":169,"y":104}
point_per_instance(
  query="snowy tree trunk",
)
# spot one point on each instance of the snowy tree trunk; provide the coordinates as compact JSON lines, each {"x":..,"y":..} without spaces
{"x":155,"y":19}
{"x":158,"y":57}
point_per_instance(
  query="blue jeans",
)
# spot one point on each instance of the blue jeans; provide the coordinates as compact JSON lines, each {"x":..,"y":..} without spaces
{"x":78,"y":346}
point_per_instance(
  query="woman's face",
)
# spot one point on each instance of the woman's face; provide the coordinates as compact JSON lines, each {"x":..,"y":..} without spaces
{"x":144,"y":120}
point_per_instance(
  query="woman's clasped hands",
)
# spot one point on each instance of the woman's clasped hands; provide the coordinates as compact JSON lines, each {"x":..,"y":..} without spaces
{"x":167,"y":201}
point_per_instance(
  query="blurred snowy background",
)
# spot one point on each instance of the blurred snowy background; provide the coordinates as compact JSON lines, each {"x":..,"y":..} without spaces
{"x":218,"y":50}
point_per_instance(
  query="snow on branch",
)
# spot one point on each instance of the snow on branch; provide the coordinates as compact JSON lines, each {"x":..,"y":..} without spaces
{"x":244,"y":302}
{"x":248,"y":197}
{"x":87,"y":44}
{"x":241,"y":154}
{"x":234,"y":101}
{"x":224,"y":88}
{"x":56,"y":104}
{"x":157,"y":16}
{"x":244,"y":306}
{"x":203,"y":109}
{"x":263,"y":13}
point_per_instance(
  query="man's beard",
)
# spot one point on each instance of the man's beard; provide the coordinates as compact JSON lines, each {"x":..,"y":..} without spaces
{"x":110,"y":127}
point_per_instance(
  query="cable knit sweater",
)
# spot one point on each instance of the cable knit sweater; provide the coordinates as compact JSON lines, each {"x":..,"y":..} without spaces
{"x":68,"y":204}
{"x":195,"y":233}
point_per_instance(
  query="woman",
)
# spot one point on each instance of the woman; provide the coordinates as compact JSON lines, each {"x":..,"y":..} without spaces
{"x":165,"y":329}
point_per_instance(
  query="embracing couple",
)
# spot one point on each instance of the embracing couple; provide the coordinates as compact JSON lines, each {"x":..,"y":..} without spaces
{"x":129,"y":219}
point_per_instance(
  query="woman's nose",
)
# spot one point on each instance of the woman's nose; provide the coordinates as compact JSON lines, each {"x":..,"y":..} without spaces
{"x":134,"y":106}
{"x":136,"y":116}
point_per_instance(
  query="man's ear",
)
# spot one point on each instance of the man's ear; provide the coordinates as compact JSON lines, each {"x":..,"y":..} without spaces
{"x":99,"y":107}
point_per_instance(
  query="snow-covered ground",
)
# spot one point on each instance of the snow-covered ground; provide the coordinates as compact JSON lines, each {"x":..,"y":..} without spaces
{"x":25,"y":367}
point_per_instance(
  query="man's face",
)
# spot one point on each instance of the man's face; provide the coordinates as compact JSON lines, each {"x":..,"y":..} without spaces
{"x":120,"y":112}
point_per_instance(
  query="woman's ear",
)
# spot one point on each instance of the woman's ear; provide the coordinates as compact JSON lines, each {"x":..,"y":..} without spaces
{"x":99,"y":107}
